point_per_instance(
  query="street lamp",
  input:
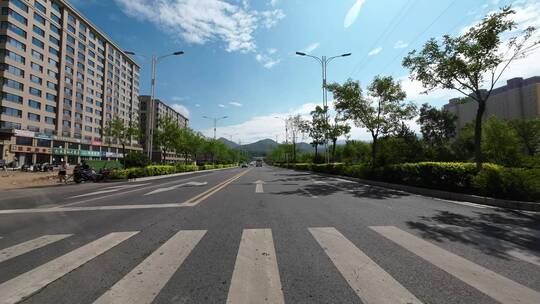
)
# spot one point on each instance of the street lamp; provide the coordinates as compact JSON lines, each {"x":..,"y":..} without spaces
{"x":286,"y":128}
{"x":324,"y":61}
{"x":215,"y":119}
{"x":150,"y":109}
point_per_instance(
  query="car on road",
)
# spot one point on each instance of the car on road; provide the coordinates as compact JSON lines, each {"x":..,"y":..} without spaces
{"x":244,"y":165}
{"x":258,"y":163}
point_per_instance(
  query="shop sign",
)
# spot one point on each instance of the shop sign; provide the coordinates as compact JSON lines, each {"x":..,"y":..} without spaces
{"x":29,"y":149}
{"x":24,"y":133}
{"x":62,"y":151}
{"x":90,"y":153}
{"x":43,"y":136}
{"x":96,"y":143}
{"x":69,"y":139}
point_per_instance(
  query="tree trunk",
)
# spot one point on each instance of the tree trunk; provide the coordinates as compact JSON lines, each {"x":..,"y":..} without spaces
{"x":316,"y":151}
{"x":164,"y":155}
{"x":374,"y":151}
{"x":478,"y":134}
{"x":294,"y":152}
{"x":334,"y":141}
{"x":124,"y":155}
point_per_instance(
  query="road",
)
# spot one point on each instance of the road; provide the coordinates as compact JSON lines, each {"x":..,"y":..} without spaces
{"x":260,"y":235}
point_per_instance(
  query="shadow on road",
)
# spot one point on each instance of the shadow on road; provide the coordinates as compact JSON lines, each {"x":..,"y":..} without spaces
{"x":494,"y":233}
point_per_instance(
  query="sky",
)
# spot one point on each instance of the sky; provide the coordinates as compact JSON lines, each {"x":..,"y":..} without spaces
{"x":240,"y":57}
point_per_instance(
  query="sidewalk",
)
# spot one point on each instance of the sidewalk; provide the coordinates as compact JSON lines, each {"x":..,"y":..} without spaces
{"x":18,"y":179}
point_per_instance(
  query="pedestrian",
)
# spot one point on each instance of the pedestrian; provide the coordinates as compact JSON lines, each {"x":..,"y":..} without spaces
{"x":62,"y":174}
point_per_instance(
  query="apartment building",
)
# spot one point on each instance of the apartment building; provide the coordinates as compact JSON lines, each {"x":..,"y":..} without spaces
{"x":519,"y":98}
{"x":161,"y":110}
{"x":61,"y":80}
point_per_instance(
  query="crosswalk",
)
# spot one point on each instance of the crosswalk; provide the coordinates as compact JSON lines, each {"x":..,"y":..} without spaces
{"x":256,"y":272}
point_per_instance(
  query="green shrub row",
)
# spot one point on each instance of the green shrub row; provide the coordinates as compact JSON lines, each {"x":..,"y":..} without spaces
{"x":493,"y":180}
{"x":154,"y":170}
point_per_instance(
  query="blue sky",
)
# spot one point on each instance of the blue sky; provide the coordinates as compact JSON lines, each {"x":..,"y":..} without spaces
{"x":240,"y":58}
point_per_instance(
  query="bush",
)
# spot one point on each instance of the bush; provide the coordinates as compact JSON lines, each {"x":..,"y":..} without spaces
{"x":508,"y":183}
{"x":136,"y":159}
{"x":155,"y":170}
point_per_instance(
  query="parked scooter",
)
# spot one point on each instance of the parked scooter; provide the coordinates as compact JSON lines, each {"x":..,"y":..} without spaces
{"x":83,"y":173}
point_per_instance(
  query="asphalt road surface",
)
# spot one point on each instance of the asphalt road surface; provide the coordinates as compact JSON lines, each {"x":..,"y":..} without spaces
{"x":260,"y":235}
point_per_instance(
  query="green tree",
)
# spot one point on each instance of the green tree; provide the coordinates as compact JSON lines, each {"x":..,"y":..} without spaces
{"x":438,"y":127}
{"x":381,"y":112}
{"x":118,"y":131}
{"x":528,"y":133}
{"x":356,"y":152}
{"x":317,"y":128}
{"x":335,"y":130}
{"x":501,"y":143}
{"x":463,"y":144}
{"x":294,"y":129}
{"x":166,"y":136}
{"x":400,"y":147}
{"x":471,"y":61}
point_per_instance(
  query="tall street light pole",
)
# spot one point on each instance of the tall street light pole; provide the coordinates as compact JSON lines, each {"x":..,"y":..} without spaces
{"x":215,"y":119}
{"x":150,"y":123}
{"x":324,"y":61}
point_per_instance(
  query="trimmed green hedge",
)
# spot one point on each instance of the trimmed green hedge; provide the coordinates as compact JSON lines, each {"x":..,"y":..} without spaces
{"x":154,"y":170}
{"x":493,"y":180}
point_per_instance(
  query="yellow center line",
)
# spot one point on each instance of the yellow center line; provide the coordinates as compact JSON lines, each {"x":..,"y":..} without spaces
{"x":206,"y":194}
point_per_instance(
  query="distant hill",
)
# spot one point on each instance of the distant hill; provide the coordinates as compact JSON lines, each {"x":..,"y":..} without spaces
{"x":228,"y":143}
{"x":261,"y":147}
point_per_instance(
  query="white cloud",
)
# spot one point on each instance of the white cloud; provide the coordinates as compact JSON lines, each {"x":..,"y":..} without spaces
{"x":235,"y":104}
{"x":353,"y":12}
{"x":181,"y":109}
{"x":400,"y":44}
{"x":375,"y":51}
{"x":268,"y":59}
{"x":179,"y":98}
{"x":201,"y":21}
{"x":310,"y":48}
{"x":273,"y":2}
{"x":197,"y":105}
{"x":221,"y":105}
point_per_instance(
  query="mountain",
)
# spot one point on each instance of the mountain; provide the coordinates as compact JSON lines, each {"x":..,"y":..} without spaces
{"x":228,"y":143}
{"x":261,"y":147}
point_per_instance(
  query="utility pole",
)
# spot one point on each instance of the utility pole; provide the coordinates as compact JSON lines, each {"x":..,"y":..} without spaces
{"x":215,"y":120}
{"x":324,"y":61}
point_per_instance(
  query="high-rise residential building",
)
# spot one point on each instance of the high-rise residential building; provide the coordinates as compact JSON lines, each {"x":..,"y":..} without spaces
{"x":61,"y":80}
{"x":161,"y":110}
{"x":519,"y":98}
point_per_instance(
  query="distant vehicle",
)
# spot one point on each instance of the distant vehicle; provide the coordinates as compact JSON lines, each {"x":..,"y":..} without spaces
{"x":244,"y":165}
{"x":258,"y":163}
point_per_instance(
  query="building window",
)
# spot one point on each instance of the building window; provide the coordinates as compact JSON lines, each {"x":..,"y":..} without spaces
{"x":20,"y":5}
{"x":50,"y":109}
{"x":71,"y":29}
{"x":15,"y":29}
{"x":35,"y":92}
{"x":23,"y":141}
{"x":39,"y":31}
{"x":14,"y":15}
{"x":33,"y":117}
{"x":37,"y":55}
{"x":50,"y":96}
{"x":12,"y":98}
{"x":11,"y":69}
{"x":11,"y":112}
{"x":12,"y":84}
{"x":50,"y":120}
{"x":35,"y":79}
{"x":40,"y":7}
{"x":43,"y":143}
{"x":34,"y":104}
{"x":13,"y":42}
{"x":54,"y":41}
{"x":55,"y":29}
{"x":12,"y":55}
{"x":39,"y":18}
{"x":37,"y":67}
{"x":66,"y":123}
{"x":38,"y":43}
{"x":33,"y":128}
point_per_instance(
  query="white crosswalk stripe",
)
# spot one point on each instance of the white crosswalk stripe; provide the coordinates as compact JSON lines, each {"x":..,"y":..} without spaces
{"x":256,"y":276}
{"x":490,"y":283}
{"x":144,"y":282}
{"x":34,"y":280}
{"x":22,"y":248}
{"x":370,"y":282}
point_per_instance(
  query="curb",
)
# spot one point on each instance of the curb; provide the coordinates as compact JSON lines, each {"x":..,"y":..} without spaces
{"x":142,"y":179}
{"x":454,"y":196}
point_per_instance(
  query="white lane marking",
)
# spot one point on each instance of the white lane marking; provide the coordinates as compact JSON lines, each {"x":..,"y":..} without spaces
{"x":259,"y":186}
{"x":344,"y":181}
{"x":93,"y":208}
{"x":108,"y":190}
{"x":490,"y":283}
{"x":370,"y":282}
{"x":144,"y":282}
{"x":31,"y":282}
{"x":256,"y":276}
{"x":130,"y":191}
{"x":159,"y":190}
{"x":22,"y":248}
{"x":461,"y":203}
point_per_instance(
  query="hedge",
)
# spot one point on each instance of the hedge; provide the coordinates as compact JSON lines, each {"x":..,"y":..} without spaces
{"x":154,"y":170}
{"x":493,"y":180}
